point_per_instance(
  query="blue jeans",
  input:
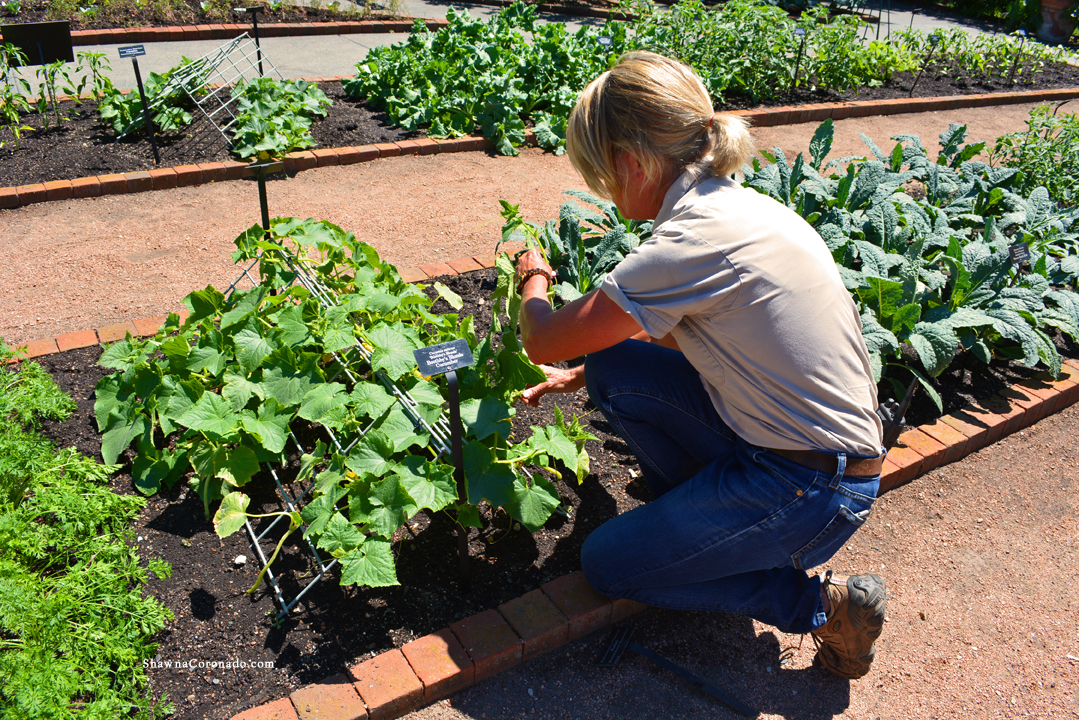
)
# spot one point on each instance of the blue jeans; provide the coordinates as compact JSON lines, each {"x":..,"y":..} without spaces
{"x":732,"y":526}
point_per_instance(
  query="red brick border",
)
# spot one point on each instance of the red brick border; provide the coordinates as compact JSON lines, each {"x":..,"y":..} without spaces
{"x":190,"y":175}
{"x":227,"y":31}
{"x":401,"y":680}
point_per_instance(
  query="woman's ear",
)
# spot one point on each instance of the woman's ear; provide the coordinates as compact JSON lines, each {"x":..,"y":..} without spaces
{"x":629,"y":167}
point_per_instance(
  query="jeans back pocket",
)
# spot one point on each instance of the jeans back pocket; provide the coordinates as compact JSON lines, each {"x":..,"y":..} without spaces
{"x":829,"y":540}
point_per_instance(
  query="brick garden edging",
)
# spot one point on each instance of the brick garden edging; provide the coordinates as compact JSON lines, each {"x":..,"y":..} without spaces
{"x":471,"y":650}
{"x":197,"y":174}
{"x":227,"y":31}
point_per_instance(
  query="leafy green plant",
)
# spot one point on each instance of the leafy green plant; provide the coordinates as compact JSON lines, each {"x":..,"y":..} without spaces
{"x":274,"y":117}
{"x":51,"y":75}
{"x":1045,"y":154}
{"x":123,"y":111}
{"x":980,"y":56}
{"x":582,"y":246}
{"x":487,"y":74}
{"x":13,"y":93}
{"x":75,"y":626}
{"x":328,"y":359}
{"x":932,"y":275}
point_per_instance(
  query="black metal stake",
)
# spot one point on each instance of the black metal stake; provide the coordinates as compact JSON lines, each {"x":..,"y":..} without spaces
{"x":263,"y":203}
{"x":801,"y":49}
{"x":1015,"y":64}
{"x":254,"y":13}
{"x":933,"y":40}
{"x":458,"y":474}
{"x":146,"y":111}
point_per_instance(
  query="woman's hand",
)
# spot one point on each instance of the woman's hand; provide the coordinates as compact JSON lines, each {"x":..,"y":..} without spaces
{"x":558,"y":381}
{"x":531,"y":259}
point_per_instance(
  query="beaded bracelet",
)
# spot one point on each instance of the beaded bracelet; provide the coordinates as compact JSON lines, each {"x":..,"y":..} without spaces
{"x":533,"y":273}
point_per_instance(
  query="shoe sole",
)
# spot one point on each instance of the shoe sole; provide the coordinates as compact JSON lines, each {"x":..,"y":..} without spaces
{"x":866,"y":604}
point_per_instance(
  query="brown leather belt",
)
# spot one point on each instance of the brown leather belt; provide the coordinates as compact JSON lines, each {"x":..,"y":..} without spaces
{"x":825,"y":463}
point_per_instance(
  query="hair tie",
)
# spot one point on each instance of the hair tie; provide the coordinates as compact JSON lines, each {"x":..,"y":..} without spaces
{"x":710,"y":120}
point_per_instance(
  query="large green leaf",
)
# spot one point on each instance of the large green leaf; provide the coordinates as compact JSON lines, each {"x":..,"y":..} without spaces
{"x":392,"y":350}
{"x":213,"y":416}
{"x":935,"y":344}
{"x":486,"y":479}
{"x":371,"y":399}
{"x":372,"y":456}
{"x":487,"y":416}
{"x":430,"y":485}
{"x":252,"y":349}
{"x":270,"y":425}
{"x":533,"y":501}
{"x":324,"y":404}
{"x":401,"y":430}
{"x":369,"y":565}
{"x":120,"y":430}
{"x":340,"y":537}
{"x":232,"y":513}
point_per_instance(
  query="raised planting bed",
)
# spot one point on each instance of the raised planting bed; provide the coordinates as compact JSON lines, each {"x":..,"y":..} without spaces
{"x":82,"y":147}
{"x":335,"y":627}
{"x":177,"y":12}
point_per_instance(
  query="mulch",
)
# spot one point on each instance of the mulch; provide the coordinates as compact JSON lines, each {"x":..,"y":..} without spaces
{"x":333,"y":627}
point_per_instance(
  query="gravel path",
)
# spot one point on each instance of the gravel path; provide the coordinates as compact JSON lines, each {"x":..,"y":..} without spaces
{"x":78,"y":264}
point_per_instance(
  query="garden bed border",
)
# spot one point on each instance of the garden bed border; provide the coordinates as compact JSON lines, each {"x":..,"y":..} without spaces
{"x":471,"y":650}
{"x":197,"y":174}
{"x":227,"y":31}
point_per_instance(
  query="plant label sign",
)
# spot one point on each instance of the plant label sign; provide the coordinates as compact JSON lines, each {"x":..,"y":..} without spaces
{"x":1019,"y":253}
{"x":132,"y":51}
{"x":444,"y":357}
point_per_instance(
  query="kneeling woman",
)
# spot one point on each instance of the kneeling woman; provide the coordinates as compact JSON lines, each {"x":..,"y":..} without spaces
{"x":728,"y":354}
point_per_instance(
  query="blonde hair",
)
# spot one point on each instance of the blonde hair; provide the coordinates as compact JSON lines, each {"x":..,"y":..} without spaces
{"x":659,"y":110}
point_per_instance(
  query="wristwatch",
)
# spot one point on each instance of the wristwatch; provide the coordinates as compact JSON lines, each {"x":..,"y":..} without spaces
{"x":533,"y":273}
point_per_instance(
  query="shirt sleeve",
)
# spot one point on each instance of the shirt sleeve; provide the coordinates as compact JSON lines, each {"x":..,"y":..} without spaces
{"x":672,"y":275}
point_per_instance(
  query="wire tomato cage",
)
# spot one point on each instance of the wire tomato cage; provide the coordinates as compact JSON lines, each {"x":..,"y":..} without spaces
{"x":347,"y":364}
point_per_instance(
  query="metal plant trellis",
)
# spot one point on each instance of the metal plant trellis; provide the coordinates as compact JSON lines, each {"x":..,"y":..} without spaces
{"x":346,"y":364}
{"x":207,"y":83}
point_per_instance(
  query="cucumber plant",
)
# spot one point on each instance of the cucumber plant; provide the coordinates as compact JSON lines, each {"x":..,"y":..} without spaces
{"x":273,"y":117}
{"x":321,"y":348}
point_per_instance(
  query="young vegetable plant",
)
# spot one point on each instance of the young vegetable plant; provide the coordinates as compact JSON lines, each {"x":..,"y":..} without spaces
{"x":232,"y":389}
{"x":13,"y":93}
{"x":123,"y":111}
{"x":274,"y":118}
{"x":581,"y":247}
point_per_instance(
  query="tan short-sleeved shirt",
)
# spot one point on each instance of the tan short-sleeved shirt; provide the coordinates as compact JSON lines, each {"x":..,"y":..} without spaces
{"x":752,"y":296}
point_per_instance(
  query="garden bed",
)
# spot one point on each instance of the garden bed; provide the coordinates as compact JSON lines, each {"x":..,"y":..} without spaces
{"x":176,"y":12}
{"x":84,"y":148}
{"x":335,"y":627}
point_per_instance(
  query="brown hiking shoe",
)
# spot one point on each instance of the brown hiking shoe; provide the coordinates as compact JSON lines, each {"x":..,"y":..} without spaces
{"x":845,"y":641}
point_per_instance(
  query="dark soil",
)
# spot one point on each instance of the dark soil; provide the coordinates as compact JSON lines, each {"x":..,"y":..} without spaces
{"x":334,"y":627}
{"x":166,"y":13}
{"x":83,"y":148}
{"x":938,"y":80}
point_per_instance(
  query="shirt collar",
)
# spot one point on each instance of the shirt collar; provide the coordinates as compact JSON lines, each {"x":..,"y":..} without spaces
{"x":689,"y":179}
